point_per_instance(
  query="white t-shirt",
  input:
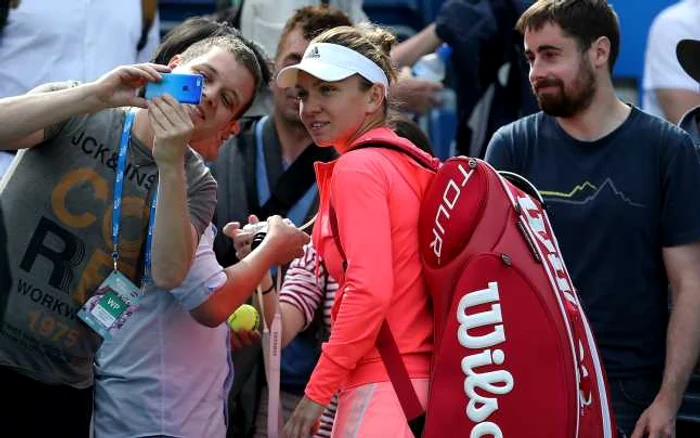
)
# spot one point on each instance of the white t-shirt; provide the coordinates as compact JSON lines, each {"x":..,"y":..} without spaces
{"x":263,"y":20}
{"x":661,"y":67}
{"x":53,"y":41}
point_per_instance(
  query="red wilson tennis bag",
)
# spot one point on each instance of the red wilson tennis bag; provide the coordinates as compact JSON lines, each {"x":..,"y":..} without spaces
{"x":514,"y":353}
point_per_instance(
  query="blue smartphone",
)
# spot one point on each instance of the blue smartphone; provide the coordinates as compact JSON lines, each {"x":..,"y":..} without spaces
{"x":185,"y":88}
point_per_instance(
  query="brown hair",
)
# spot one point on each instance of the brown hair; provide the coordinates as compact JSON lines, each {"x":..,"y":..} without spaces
{"x":233,"y":45}
{"x":372,"y":42}
{"x":314,"y":20}
{"x":196,"y":35}
{"x":583,"y":20}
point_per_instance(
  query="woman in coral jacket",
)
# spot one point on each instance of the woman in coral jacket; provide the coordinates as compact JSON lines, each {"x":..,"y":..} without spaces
{"x":343,"y":80}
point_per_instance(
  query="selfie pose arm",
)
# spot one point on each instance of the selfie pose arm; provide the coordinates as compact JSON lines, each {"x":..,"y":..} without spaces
{"x":26,"y":117}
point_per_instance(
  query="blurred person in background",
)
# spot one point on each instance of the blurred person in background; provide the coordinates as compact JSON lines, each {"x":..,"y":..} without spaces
{"x":669,"y":92}
{"x":490,"y":73}
{"x":688,"y":53}
{"x":51,"y":41}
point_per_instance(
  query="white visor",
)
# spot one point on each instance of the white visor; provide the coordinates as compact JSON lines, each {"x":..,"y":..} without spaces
{"x":331,"y":63}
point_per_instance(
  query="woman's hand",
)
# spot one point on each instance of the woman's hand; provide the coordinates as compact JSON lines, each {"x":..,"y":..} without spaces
{"x":304,"y":419}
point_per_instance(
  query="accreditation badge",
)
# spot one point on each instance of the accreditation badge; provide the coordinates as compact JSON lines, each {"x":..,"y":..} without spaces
{"x":112,"y":305}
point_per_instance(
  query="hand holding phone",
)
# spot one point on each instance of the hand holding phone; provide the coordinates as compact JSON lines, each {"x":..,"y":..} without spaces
{"x":184,"y":87}
{"x":124,"y":85}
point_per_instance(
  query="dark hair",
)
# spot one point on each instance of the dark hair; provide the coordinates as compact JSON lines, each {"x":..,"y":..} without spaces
{"x":314,"y":20}
{"x":583,"y":20}
{"x":410,"y":130}
{"x":197,"y":35}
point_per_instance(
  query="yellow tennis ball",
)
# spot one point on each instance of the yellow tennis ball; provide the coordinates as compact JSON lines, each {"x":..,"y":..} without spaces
{"x":244,"y":318}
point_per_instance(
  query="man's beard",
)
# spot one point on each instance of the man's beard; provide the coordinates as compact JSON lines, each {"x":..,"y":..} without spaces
{"x":567,"y":103}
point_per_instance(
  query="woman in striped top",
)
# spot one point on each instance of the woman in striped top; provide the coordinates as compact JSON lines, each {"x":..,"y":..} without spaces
{"x":306,"y":286}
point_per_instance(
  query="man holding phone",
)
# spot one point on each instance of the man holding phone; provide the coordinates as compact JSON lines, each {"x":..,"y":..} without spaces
{"x":81,"y":198}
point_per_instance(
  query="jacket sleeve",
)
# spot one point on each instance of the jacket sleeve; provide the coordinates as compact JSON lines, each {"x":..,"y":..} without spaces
{"x":359,"y":193}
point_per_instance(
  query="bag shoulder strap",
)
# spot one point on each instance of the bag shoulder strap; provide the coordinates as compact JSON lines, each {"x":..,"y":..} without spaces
{"x":430,"y":165}
{"x":390,"y":354}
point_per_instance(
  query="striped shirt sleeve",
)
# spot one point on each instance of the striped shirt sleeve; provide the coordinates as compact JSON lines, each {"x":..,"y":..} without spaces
{"x":304,"y":289}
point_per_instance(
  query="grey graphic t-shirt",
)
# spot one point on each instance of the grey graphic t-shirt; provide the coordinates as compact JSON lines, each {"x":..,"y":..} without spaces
{"x":57,"y":198}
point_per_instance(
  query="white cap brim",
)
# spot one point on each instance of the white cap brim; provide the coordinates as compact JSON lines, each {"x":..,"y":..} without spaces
{"x":332,"y":63}
{"x":288,"y":76}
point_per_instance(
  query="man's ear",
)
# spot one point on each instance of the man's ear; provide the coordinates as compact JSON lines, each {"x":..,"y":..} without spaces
{"x":601,"y":51}
{"x":175,"y":61}
{"x":235,"y":128}
{"x":375,"y":98}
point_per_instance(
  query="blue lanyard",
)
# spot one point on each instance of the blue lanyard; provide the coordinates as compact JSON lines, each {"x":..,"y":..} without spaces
{"x":117,"y":205}
{"x":261,"y":167}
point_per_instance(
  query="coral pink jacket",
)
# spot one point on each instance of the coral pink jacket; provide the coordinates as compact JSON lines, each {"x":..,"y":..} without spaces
{"x":376,"y":194}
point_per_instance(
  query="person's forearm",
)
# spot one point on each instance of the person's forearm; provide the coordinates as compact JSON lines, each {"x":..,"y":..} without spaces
{"x":422,"y":43}
{"x":243,"y":277}
{"x":27,"y":114}
{"x":682,"y":346}
{"x":174,"y":237}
